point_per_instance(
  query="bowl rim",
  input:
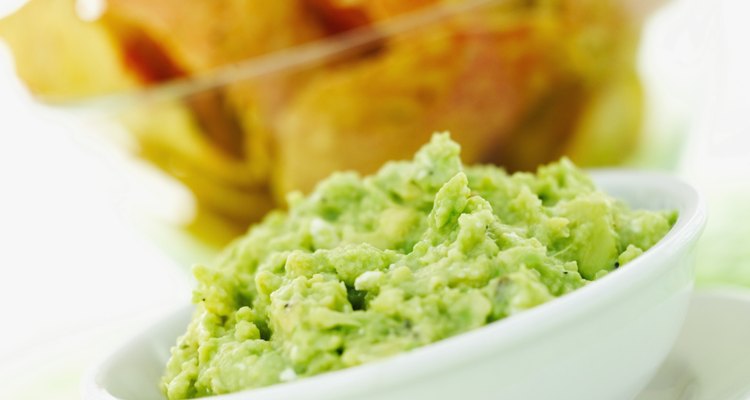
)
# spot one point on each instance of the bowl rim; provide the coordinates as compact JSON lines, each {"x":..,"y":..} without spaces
{"x":500,"y":334}
{"x":284,"y":60}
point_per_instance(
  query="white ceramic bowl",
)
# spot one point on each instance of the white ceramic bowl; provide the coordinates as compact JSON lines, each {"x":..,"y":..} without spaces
{"x":603,"y":341}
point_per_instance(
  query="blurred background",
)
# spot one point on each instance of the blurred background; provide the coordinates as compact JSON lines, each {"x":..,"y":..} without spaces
{"x":137,"y":137}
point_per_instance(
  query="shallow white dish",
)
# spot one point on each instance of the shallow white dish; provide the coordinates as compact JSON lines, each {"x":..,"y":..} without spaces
{"x":603,"y":341}
{"x":711,"y":358}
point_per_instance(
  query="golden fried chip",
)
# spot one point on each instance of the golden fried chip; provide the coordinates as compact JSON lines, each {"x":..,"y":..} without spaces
{"x":475,"y":76}
{"x":59,"y":55}
{"x":200,"y":35}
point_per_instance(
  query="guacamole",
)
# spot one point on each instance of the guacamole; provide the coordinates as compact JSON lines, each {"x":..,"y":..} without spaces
{"x":367,"y":267}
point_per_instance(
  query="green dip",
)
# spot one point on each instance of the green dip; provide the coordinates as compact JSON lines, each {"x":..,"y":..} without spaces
{"x":365,"y":268}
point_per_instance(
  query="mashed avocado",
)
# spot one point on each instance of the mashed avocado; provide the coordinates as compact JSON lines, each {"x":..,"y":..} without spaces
{"x":364,"y":268}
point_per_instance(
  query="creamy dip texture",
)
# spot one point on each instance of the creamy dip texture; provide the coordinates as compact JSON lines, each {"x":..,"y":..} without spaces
{"x":367,"y":267}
